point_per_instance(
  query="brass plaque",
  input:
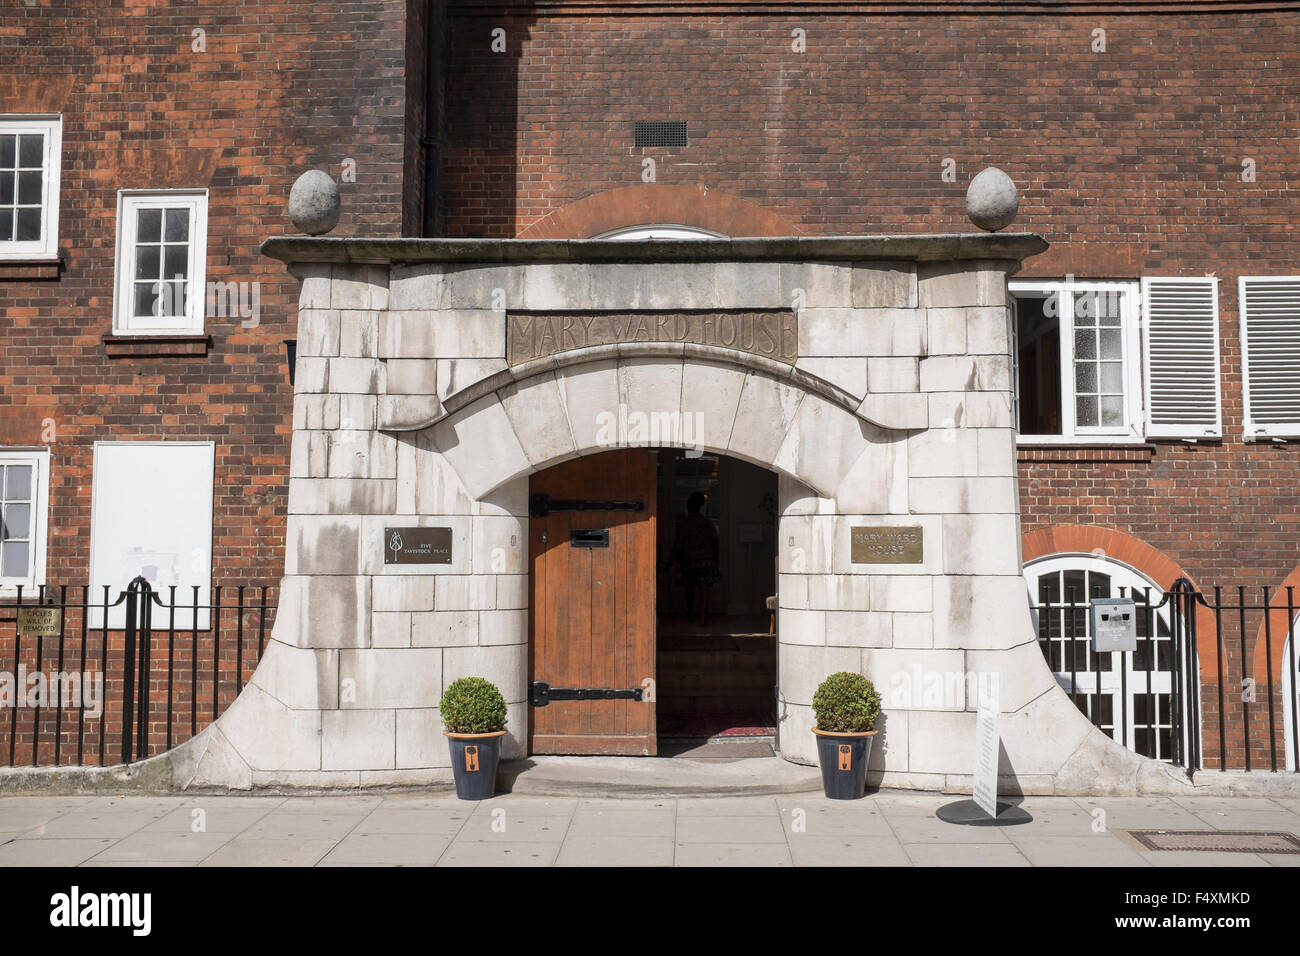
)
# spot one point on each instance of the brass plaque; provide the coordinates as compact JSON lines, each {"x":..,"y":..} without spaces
{"x":772,"y":334}
{"x":417,"y":546}
{"x":883,"y":545}
{"x":38,"y":621}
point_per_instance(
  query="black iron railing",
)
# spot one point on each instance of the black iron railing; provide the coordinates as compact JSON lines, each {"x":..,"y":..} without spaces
{"x":89,"y":679}
{"x":1212,"y":683}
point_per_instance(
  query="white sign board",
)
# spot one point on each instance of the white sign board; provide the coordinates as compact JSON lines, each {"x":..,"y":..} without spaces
{"x":151,"y":515}
{"x":984,"y":791}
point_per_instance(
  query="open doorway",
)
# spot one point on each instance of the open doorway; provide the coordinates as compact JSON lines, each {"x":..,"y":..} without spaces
{"x":716,"y":658}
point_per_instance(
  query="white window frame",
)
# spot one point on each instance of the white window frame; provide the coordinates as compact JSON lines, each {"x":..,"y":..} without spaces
{"x":47,"y":247}
{"x":129,"y":203}
{"x":1252,"y":430}
{"x":39,"y":459}
{"x":660,"y":231}
{"x":1181,"y":431}
{"x":1131,"y":431}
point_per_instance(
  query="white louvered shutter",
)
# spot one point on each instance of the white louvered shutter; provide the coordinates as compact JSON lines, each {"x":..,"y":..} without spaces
{"x":1181,"y":346}
{"x":1270,"y":347}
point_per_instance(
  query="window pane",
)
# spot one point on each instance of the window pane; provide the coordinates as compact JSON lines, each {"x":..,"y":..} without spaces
{"x":1038,"y":365}
{"x":147,"y":261}
{"x":1085,"y":410}
{"x":176,"y":262}
{"x":1085,"y":377}
{"x":1108,"y":308}
{"x":1085,"y":309}
{"x":1112,"y":410}
{"x":6,"y":225}
{"x":8,"y":183}
{"x":1112,"y":377}
{"x":175,"y":298}
{"x":1110,"y":344}
{"x":1098,"y":584}
{"x":1085,"y":345}
{"x":29,"y":187}
{"x":145,"y":296}
{"x":8,"y":150}
{"x":17,"y":521}
{"x":149,"y":226}
{"x":28,"y":224}
{"x":13,"y":559}
{"x":31,"y":147}
{"x":178,"y":225}
{"x":18,"y":483}
{"x":1144,"y":742}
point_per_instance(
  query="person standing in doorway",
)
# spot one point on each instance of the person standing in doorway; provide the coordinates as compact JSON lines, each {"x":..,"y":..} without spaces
{"x":698,"y":553}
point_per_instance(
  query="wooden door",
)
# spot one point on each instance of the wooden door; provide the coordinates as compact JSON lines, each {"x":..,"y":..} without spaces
{"x":592,"y":618}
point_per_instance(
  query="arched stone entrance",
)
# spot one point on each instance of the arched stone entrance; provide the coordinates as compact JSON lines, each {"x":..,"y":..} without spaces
{"x":871,"y":374}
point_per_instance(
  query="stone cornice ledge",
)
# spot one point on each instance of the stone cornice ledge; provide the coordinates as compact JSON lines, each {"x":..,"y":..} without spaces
{"x":1015,"y":246}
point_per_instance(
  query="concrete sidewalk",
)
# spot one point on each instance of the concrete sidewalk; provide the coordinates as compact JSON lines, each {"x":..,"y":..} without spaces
{"x":889,"y":828}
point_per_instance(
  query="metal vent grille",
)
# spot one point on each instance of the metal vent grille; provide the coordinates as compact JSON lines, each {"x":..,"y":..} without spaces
{"x":1223,"y":841}
{"x":660,"y":133}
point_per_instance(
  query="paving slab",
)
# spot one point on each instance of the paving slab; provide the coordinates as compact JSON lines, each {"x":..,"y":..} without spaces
{"x":638,"y":823}
{"x":848,"y":851}
{"x":850,"y":818}
{"x":731,"y":854}
{"x":500,"y":853}
{"x":1250,"y":820}
{"x":285,"y":824}
{"x":923,"y":830}
{"x":1201,"y":858}
{"x":443,"y":821}
{"x":1102,"y":849}
{"x":728,"y":806}
{"x":728,"y":829}
{"x":214,"y":817}
{"x":93,"y":822}
{"x":616,"y":851}
{"x":69,"y":852}
{"x":389,"y":849}
{"x":1140,"y":813}
{"x":255,"y":851}
{"x":964,"y":854}
{"x":179,"y":846}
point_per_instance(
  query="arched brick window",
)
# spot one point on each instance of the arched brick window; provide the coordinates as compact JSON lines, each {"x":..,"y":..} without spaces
{"x":1128,"y":696}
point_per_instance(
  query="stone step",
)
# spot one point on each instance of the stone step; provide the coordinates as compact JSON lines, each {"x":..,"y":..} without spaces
{"x":655,"y":776}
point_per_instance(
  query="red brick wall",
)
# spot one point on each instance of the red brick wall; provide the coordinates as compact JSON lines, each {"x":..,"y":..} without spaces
{"x":1129,"y":161}
{"x":282,"y":87}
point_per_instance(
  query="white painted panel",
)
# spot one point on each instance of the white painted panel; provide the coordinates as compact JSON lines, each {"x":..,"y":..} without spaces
{"x":151,"y":515}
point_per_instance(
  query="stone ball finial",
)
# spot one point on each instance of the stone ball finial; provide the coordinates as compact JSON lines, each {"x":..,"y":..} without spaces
{"x":992,"y":200}
{"x":314,"y":202}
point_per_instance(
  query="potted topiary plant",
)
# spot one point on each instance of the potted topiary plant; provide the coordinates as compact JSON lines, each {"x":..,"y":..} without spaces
{"x":474,"y":720}
{"x":846,"y":707}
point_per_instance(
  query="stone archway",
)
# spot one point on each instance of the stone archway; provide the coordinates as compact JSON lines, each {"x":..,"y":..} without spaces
{"x":434,"y":376}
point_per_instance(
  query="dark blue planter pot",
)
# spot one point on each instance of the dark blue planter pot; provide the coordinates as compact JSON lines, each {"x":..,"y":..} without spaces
{"x":843,"y":759}
{"x":474,"y":759}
